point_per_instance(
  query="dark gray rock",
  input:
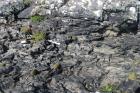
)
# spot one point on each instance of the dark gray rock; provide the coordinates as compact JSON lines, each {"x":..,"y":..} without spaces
{"x":91,"y":85}
{"x":4,"y":34}
{"x":129,"y":86}
{"x":10,"y":9}
{"x":25,"y":13}
{"x":3,"y":48}
{"x":76,"y":40}
{"x":8,"y":55}
{"x":13,"y":33}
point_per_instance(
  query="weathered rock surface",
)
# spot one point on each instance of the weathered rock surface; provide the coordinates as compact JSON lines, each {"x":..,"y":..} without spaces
{"x":85,"y":8}
{"x":81,"y":53}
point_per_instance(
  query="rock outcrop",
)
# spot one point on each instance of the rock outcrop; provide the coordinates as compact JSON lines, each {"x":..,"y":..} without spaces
{"x":70,"y":46}
{"x":86,"y":8}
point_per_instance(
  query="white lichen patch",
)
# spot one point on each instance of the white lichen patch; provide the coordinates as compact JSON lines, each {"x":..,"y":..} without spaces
{"x":97,"y":13}
{"x":23,"y":42}
{"x":132,"y":10}
{"x":54,"y":42}
{"x":97,"y":92}
{"x":105,"y":50}
{"x":35,"y":10}
{"x":117,"y":4}
{"x":110,"y":0}
{"x":132,"y":13}
{"x":2,"y":20}
{"x":72,"y":8}
{"x":87,"y":2}
{"x":100,"y":3}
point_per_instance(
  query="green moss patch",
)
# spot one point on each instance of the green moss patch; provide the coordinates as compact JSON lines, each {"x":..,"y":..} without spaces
{"x":37,"y":18}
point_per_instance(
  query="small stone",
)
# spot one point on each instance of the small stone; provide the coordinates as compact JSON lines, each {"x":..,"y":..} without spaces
{"x":54,"y":42}
{"x":23,"y":41}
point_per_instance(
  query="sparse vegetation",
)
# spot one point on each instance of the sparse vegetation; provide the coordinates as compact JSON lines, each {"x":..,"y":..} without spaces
{"x":37,"y":18}
{"x":27,"y":2}
{"x":35,"y":72}
{"x":2,"y":64}
{"x":38,"y":36}
{"x":56,"y":66}
{"x":74,"y":38}
{"x":132,"y":76}
{"x":109,"y":88}
{"x":24,"y":29}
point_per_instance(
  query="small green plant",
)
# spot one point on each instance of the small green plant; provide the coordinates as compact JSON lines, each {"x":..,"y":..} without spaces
{"x":109,"y":88}
{"x":38,"y":36}
{"x":56,"y":66}
{"x":24,"y":29}
{"x":27,"y":2}
{"x":132,"y":76}
{"x":35,"y":72}
{"x":2,"y":64}
{"x":37,"y":18}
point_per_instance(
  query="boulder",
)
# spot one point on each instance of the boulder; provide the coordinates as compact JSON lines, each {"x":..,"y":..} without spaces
{"x":10,"y":8}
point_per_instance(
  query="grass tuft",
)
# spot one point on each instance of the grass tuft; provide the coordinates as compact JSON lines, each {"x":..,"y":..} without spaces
{"x":37,"y":18}
{"x":38,"y":36}
{"x":109,"y":88}
{"x":35,"y":72}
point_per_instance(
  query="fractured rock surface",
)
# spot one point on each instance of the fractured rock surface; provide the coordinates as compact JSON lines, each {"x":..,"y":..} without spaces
{"x":88,"y":44}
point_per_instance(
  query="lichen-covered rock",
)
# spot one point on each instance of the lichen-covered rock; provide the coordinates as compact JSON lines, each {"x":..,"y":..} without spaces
{"x":88,"y":44}
{"x":87,"y":8}
{"x":10,"y":9}
{"x":3,"y":48}
{"x":6,"y":7}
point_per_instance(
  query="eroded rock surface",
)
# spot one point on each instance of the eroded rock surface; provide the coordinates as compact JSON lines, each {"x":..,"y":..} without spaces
{"x":88,"y":44}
